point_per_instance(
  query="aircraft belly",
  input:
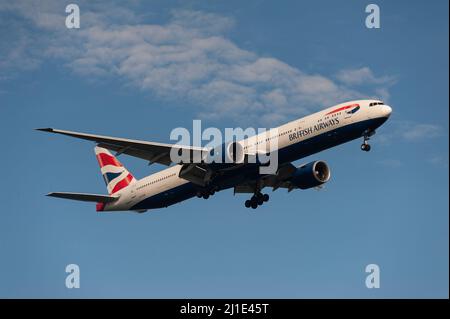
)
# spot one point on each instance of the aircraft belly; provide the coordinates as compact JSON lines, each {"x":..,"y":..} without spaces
{"x":293,"y":152}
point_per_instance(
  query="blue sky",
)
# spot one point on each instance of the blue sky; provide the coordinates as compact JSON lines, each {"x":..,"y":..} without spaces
{"x":142,"y":70}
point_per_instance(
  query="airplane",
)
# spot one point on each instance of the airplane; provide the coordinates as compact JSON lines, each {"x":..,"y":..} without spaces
{"x":183,"y":180}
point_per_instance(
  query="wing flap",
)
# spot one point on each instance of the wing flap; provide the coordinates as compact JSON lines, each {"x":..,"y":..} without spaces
{"x":98,"y":198}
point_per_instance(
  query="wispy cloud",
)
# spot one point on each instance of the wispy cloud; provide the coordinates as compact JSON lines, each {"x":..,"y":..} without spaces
{"x":392,"y":163}
{"x":439,"y":160}
{"x":188,"y":58}
{"x":363,"y":75}
{"x":421,"y":131}
{"x":410,"y":131}
{"x":436,"y":160}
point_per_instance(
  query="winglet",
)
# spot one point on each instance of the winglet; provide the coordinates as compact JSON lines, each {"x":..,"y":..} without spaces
{"x":47,"y":129}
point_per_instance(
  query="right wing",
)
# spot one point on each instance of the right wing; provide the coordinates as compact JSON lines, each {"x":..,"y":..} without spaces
{"x":150,"y":151}
{"x":84,"y":197}
{"x":278,"y":180}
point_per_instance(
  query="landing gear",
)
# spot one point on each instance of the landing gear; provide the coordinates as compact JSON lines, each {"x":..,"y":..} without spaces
{"x":366,"y":137}
{"x":256,"y":200}
{"x":365,"y":147}
{"x":206,"y":193}
{"x":259,"y":199}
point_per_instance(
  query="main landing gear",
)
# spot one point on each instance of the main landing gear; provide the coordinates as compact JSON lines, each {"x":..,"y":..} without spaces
{"x":365,"y":146}
{"x":206,"y":193}
{"x":256,"y":200}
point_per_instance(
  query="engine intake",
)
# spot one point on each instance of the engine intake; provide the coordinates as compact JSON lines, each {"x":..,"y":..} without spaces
{"x":311,"y":175}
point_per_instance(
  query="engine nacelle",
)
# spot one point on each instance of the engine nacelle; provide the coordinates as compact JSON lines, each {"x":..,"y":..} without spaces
{"x":227,"y":153}
{"x":311,"y":175}
{"x":235,"y":152}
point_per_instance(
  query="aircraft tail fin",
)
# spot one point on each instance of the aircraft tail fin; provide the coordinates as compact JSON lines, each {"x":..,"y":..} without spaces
{"x":116,"y":176}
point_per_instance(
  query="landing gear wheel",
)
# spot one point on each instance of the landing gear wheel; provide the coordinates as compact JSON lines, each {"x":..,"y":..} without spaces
{"x":253,"y":202}
{"x":260,"y":200}
{"x":365,"y":147}
{"x":206,"y":196}
{"x":256,"y":200}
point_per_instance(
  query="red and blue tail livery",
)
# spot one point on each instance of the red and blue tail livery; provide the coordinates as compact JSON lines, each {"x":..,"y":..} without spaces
{"x":116,"y":176}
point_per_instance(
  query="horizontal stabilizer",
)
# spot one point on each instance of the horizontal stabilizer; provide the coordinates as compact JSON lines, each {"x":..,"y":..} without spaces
{"x":85,"y":197}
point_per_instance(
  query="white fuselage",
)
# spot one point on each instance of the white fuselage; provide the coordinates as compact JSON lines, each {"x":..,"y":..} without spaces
{"x":284,"y":136}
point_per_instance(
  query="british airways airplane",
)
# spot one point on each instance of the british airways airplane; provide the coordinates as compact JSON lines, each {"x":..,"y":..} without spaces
{"x":295,"y":140}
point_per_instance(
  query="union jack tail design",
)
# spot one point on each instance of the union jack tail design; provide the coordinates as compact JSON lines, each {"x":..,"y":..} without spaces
{"x":116,"y":176}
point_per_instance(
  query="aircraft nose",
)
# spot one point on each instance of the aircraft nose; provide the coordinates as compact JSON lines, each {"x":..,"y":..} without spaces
{"x":386,"y":110}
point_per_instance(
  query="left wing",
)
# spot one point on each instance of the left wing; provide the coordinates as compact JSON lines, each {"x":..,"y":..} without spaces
{"x":150,"y":151}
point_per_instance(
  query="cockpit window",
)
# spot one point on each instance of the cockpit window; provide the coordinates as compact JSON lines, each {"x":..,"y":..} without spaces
{"x":376,"y":103}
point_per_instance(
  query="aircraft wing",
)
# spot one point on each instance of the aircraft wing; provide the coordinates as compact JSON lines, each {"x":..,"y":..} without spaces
{"x":150,"y":151}
{"x":278,"y":180}
{"x":84,"y":197}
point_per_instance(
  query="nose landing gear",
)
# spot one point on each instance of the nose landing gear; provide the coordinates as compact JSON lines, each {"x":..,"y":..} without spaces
{"x":256,"y":200}
{"x":365,"y":146}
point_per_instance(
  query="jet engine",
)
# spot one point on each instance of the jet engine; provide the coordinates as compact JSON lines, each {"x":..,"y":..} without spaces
{"x":235,"y":152}
{"x":226,"y":153}
{"x":311,"y":175}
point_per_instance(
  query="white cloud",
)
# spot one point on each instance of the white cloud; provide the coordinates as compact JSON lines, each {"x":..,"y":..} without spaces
{"x":362,"y":75}
{"x":421,"y":131}
{"x":187,"y":59}
{"x":207,"y":22}
{"x":19,"y":56}
{"x":409,"y":131}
